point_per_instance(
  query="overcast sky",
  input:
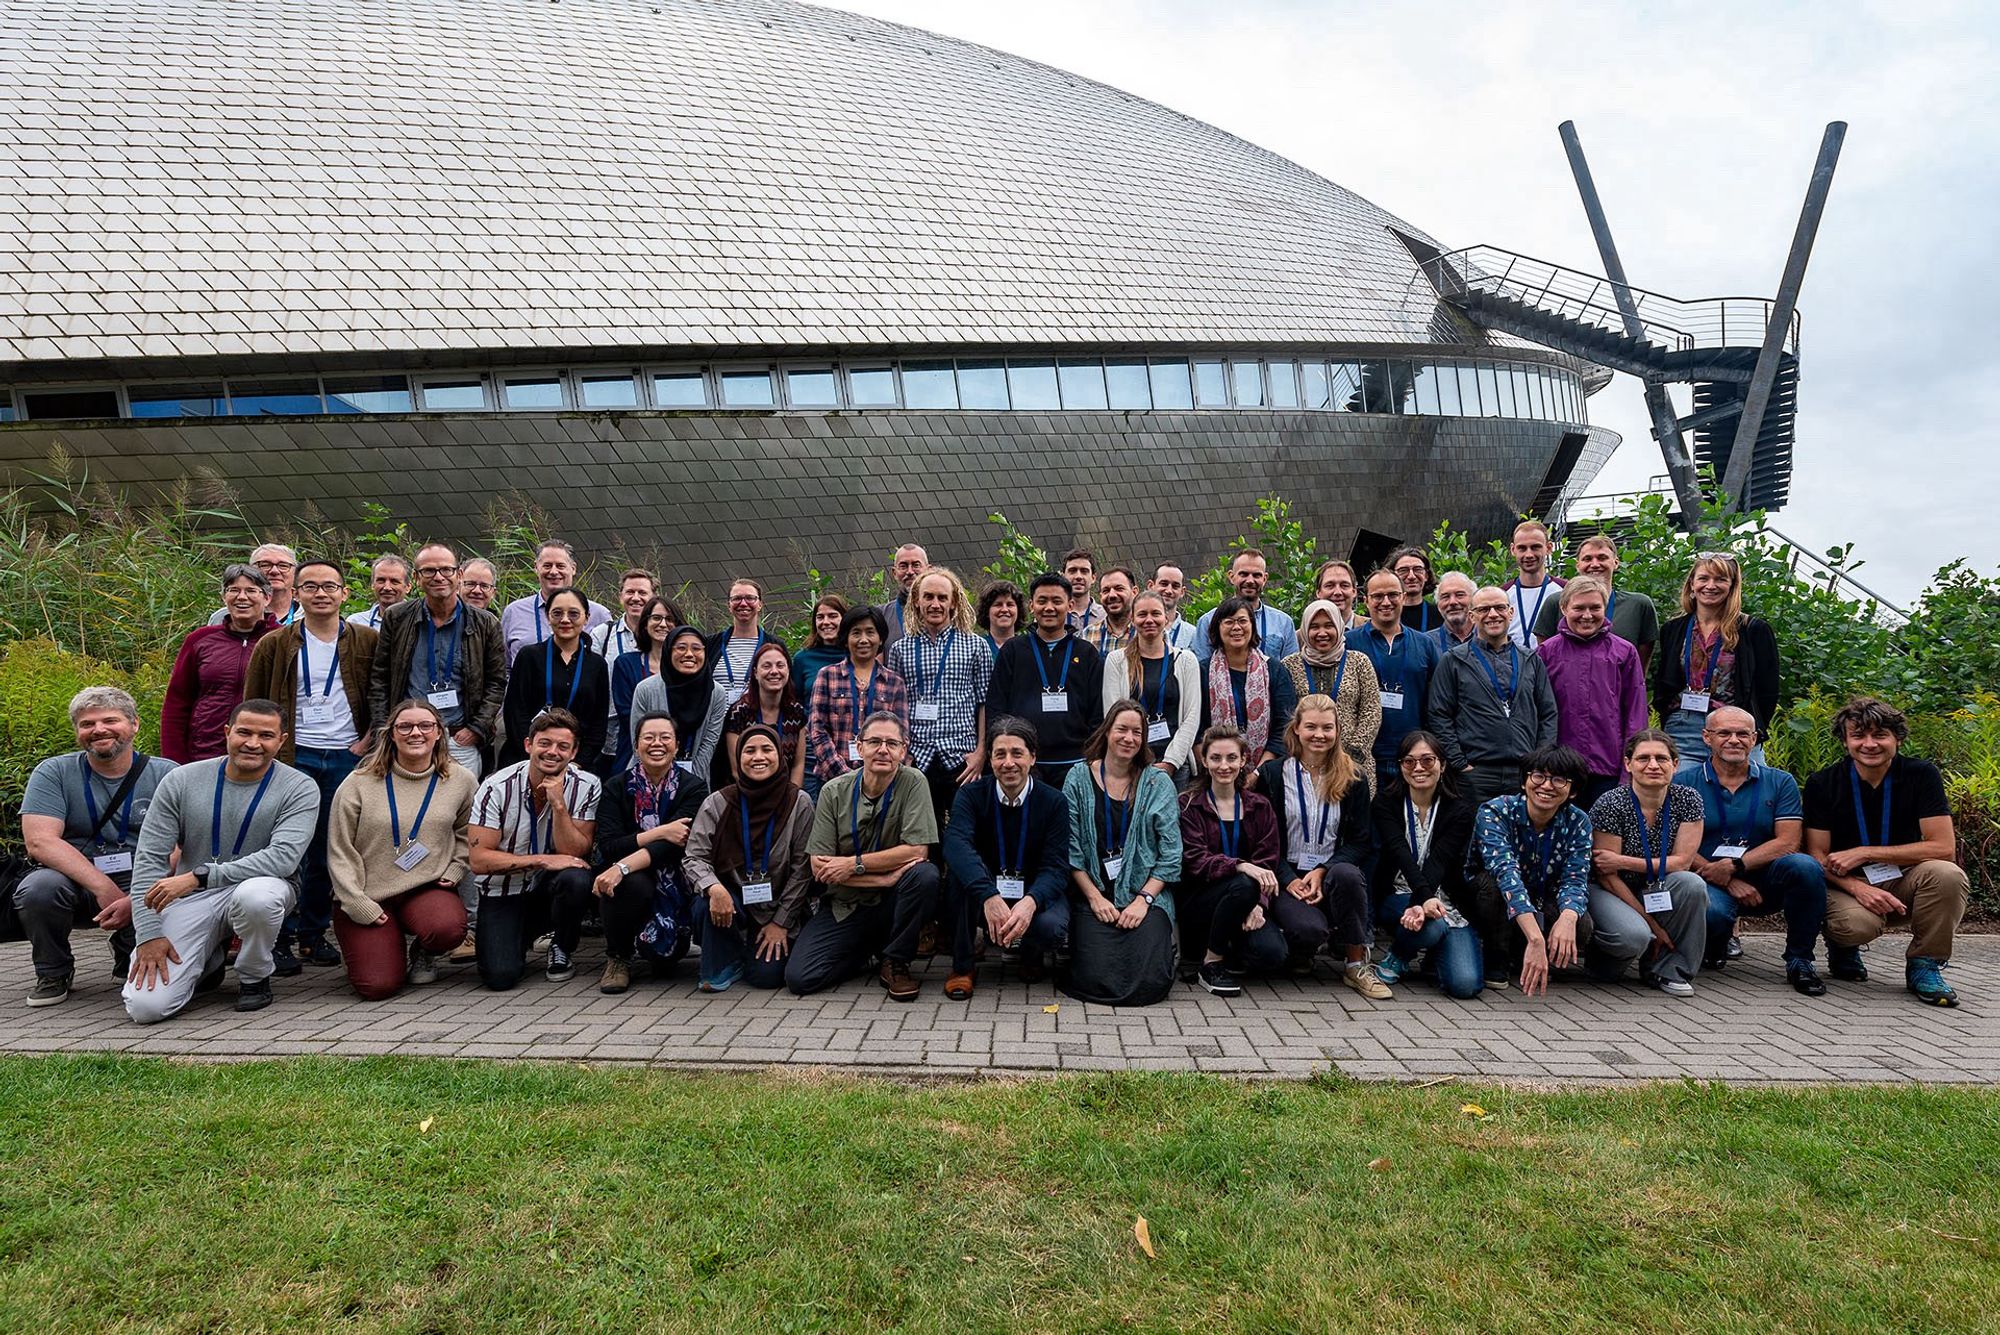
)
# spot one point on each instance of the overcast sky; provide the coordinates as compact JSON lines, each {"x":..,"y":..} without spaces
{"x":1701,"y":121}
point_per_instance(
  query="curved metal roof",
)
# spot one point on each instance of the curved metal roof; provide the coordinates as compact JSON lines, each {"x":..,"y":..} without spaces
{"x":236,"y":177}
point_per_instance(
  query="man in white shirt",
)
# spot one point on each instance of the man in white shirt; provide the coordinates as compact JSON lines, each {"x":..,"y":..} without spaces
{"x":525,"y":620}
{"x":1533,"y":586}
{"x":389,"y":581}
{"x":1170,"y":583}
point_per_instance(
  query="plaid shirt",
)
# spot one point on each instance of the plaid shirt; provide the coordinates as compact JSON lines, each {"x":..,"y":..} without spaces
{"x":958,"y":687}
{"x":502,"y":803}
{"x":834,"y":717}
{"x":1104,"y":639}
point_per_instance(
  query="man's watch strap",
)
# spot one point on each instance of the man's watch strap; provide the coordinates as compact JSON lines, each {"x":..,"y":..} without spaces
{"x":201,"y":876}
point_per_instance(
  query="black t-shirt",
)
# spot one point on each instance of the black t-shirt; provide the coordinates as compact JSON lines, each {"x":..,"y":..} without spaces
{"x":1916,"y":792}
{"x":1166,"y":707}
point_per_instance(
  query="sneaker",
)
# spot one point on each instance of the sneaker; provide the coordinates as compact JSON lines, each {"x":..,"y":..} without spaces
{"x":896,"y":978}
{"x":464,"y":952}
{"x":1218,"y":979}
{"x":1844,"y":963}
{"x":1712,"y":961}
{"x":561,"y":967}
{"x":1363,"y":980}
{"x":286,"y":964}
{"x":1925,"y":977}
{"x":423,"y":969}
{"x":616,"y":978}
{"x":1496,"y":975}
{"x":320,"y":951}
{"x":1675,"y":987}
{"x":1734,"y":950}
{"x":1391,"y":969}
{"x":253,"y":996}
{"x":50,"y":990}
{"x":1805,"y":979}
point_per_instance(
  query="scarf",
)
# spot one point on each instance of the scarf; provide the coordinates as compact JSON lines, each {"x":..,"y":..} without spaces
{"x":687,"y":692}
{"x":651,"y":805}
{"x":1333,"y":658}
{"x":1256,"y":699}
{"x":769,"y":800}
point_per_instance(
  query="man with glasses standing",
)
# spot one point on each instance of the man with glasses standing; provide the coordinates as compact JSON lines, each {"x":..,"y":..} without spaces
{"x":1491,"y":703}
{"x":478,"y":583}
{"x":1633,"y":616}
{"x":277,"y":562}
{"x":1405,"y":661}
{"x":437,"y":648}
{"x":1412,"y":568}
{"x":612,"y":641}
{"x":525,"y":621}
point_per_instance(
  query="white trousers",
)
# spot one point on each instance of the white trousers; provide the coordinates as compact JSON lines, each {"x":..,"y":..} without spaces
{"x":199,"y":927}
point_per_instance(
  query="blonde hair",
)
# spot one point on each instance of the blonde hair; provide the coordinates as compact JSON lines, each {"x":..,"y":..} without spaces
{"x":1732,"y":607}
{"x":961,"y":606}
{"x":1135,"y":666}
{"x":1582,"y":584}
{"x":1339,"y":775}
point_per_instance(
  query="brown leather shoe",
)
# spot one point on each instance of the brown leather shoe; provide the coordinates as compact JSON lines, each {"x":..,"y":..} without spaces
{"x":959,"y":986}
{"x":617,"y":977}
{"x":896,"y":978}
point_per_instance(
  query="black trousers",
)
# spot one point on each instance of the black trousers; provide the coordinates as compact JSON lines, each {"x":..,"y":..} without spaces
{"x":1211,"y":916}
{"x":508,"y":923}
{"x":1341,"y":916}
{"x":831,"y":950}
{"x":624,"y":911}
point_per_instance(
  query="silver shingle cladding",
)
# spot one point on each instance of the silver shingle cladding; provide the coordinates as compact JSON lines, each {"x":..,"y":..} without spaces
{"x":194,"y":178}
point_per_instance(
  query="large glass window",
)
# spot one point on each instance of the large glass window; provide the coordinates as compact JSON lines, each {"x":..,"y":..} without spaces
{"x":1314,"y":387}
{"x":1246,"y":381}
{"x":1468,"y":389}
{"x":872,"y":386}
{"x":1344,"y":393}
{"x":41,"y":405}
{"x":1427,"y":390}
{"x":982,"y":385}
{"x":1211,"y":385}
{"x":1385,"y":386}
{"x":929,"y":385}
{"x":1447,"y":382}
{"x":452,"y":396}
{"x":1523,"y":404}
{"x":1503,"y":383}
{"x":811,"y":387}
{"x":1489,"y":392}
{"x":296,"y":396}
{"x":368,"y":394}
{"x":1081,"y":381}
{"x":174,"y":400}
{"x":680,"y":389}
{"x":1032,"y":385}
{"x":607,"y":390}
{"x":1537,"y":392}
{"x":1128,"y":385}
{"x":745,"y":388}
{"x":532,"y":391}
{"x":1170,"y":385}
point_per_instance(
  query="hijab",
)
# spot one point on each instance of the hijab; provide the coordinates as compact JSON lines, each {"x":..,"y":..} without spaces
{"x":770,"y":801}
{"x":687,"y":692}
{"x":1328,"y":660}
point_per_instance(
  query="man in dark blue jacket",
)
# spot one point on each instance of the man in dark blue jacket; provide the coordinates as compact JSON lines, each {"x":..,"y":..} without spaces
{"x":1007,"y":851}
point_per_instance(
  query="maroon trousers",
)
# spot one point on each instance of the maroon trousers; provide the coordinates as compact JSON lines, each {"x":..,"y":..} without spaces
{"x":376,"y":962}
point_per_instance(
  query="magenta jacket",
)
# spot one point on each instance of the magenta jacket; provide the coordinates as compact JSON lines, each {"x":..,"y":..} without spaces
{"x":1600,"y":695}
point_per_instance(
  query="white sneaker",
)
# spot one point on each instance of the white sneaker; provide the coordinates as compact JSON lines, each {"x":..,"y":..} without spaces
{"x":1674,"y":987}
{"x":423,"y":968}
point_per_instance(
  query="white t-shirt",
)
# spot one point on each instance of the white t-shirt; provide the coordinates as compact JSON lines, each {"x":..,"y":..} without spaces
{"x":324,"y":721}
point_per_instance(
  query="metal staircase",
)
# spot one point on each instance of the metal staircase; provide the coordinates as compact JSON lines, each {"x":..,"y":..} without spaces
{"x":1711,"y":344}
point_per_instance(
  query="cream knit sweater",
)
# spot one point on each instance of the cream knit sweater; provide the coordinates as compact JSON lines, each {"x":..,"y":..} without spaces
{"x":361,"y":855}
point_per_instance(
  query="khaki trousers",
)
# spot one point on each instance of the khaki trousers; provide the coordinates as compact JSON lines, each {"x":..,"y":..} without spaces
{"x":1934,"y":895}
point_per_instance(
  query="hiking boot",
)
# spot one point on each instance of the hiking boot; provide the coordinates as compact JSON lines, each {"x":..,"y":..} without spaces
{"x":320,"y":951}
{"x":1925,"y":977}
{"x":1363,"y":980}
{"x":1805,"y":979}
{"x":50,"y":990}
{"x":1844,"y":963}
{"x":1218,"y":978}
{"x":284,"y":963}
{"x":253,"y":996}
{"x":423,"y":968}
{"x":896,"y":978}
{"x":616,"y":978}
{"x":959,"y":986}
{"x":561,"y":968}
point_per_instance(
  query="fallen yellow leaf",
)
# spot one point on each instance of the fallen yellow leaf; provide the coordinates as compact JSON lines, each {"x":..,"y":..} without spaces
{"x":1052,"y":1008}
{"x":1473,"y":1110}
{"x":425,"y":1125}
{"x":1379,"y":1165}
{"x":1145,"y":1237}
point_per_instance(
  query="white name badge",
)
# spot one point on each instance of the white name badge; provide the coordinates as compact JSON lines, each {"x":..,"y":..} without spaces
{"x":854,"y":753}
{"x":445,"y":699}
{"x":925,"y":711}
{"x":1730,"y":850}
{"x":1010,"y":887}
{"x":1055,"y":702}
{"x":756,"y":892}
{"x":1881,"y":873}
{"x":318,"y":708}
{"x":1392,"y":699}
{"x":113,"y":863}
{"x":413,"y":853}
{"x":1159,"y":730}
{"x":1658,"y":901}
{"x":1694,"y":702}
{"x":1112,"y":866}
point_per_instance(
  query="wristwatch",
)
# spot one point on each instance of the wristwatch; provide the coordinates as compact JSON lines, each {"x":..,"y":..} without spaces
{"x":623,"y":870}
{"x":201,"y":877}
{"x":860,"y":867}
{"x":1741,"y":870}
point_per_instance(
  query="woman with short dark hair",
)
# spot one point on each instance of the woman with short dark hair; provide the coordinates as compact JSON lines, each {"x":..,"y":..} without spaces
{"x":847,"y":692}
{"x":643,"y":827}
{"x":999,"y":613}
{"x":1423,"y":827}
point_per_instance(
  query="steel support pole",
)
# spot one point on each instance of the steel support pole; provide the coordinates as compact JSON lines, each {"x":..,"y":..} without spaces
{"x":1736,"y":479}
{"x":1666,"y":423}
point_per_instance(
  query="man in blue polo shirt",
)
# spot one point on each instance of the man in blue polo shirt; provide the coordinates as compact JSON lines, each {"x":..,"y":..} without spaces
{"x":1404,"y":660}
{"x":1753,"y":825}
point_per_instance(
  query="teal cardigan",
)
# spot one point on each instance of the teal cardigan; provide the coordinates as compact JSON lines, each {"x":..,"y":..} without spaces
{"x":1152,"y":845}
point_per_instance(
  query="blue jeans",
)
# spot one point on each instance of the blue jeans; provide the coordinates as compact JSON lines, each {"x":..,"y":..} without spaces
{"x":729,"y":953}
{"x":1795,"y":885}
{"x":314,"y":915}
{"x":1455,"y":951}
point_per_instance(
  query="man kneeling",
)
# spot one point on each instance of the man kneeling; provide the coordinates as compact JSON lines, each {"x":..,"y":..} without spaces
{"x":1007,"y":849}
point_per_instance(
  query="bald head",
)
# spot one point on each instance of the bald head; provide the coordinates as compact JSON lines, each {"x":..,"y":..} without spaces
{"x":1730,"y":734}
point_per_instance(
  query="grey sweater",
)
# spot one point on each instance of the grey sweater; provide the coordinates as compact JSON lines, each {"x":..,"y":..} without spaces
{"x":182,"y":816}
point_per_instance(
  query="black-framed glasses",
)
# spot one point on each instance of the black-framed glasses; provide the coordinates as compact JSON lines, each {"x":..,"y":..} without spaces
{"x":435,"y":572}
{"x":321,"y":586}
{"x":417,"y":729}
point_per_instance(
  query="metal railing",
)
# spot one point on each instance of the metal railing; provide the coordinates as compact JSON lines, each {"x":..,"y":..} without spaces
{"x":1667,"y":322}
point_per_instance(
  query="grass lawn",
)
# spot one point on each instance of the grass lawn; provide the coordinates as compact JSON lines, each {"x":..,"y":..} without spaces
{"x":138,"y":1194}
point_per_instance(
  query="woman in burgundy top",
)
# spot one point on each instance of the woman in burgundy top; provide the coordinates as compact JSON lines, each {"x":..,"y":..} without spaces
{"x":1229,"y":860}
{"x":207,"y":680}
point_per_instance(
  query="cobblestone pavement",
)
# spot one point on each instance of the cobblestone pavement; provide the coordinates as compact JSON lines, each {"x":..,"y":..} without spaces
{"x":1745,"y":1024}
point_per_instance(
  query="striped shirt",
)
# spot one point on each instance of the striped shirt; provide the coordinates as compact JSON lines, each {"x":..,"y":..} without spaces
{"x":958,"y":688}
{"x":837,"y":709}
{"x":503,"y":803}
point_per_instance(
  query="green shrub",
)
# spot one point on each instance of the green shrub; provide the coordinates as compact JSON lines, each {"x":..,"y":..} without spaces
{"x":37,"y":679}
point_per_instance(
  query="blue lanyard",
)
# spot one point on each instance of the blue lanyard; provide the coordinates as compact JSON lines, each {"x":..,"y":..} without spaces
{"x":729,"y":667}
{"x":1610,"y":609}
{"x":1646,"y":835}
{"x":1339,"y":674}
{"x":1513,"y":672}
{"x":332,"y":667}
{"x":854,"y":694}
{"x":1392,"y":653}
{"x":1722,"y":801}
{"x":1687,"y":658}
{"x":1175,"y":631}
{"x":549,"y":676}
{"x":896,"y":606}
{"x":1019,"y":866}
{"x":1115,"y":831}
{"x":1262,"y":634}
{"x":1232,"y":830}
{"x":1159,"y":709}
{"x":395,"y":824}
{"x":614,"y":639}
{"x":540,"y":634}
{"x":1305,"y":820}
{"x":451,"y":656}
{"x":1042,"y":669}
{"x":1860,"y":819}
{"x":762,"y":870}
{"x":944,"y":655}
{"x":1528,"y":618}
{"x":215,"y":820}
{"x":881,"y":813}
{"x":125,"y":816}
{"x":1423,"y":618}
{"x":1545,"y":849}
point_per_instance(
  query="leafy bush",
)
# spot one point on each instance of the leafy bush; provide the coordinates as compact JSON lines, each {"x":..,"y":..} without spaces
{"x":37,"y":679}
{"x":1020,"y":558}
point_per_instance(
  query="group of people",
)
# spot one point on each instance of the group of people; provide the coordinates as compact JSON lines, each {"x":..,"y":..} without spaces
{"x":1449,"y":782}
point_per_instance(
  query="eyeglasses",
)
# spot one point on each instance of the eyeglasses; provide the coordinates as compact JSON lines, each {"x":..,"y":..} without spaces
{"x":436,"y":572}
{"x":565,"y":614}
{"x":881,"y":743}
{"x":744,"y":598}
{"x":268,"y":566}
{"x":1541,"y":780}
{"x":415,"y":729}
{"x":660,"y":622}
{"x":321,"y":586}
{"x":1421,"y":762}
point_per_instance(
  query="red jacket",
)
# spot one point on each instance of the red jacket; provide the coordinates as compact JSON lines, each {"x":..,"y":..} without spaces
{"x":206,"y":684}
{"x":1202,"y":860}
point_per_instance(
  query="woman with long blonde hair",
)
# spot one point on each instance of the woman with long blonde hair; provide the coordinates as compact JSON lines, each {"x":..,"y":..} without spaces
{"x":1713,"y":654}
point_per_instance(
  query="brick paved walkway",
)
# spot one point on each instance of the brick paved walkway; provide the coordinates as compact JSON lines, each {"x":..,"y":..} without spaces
{"x":1745,"y":1025}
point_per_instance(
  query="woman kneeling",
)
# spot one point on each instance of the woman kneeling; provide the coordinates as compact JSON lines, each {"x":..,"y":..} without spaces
{"x":746,"y":860}
{"x":1125,"y":845}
